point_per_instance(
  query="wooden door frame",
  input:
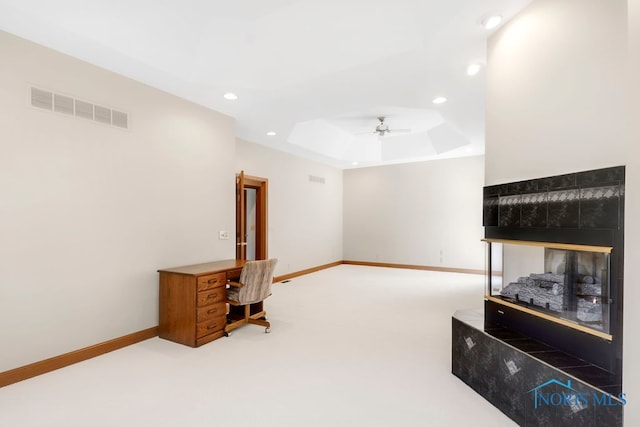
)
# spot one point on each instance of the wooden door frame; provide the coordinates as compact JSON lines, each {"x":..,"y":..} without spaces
{"x":261,"y":186}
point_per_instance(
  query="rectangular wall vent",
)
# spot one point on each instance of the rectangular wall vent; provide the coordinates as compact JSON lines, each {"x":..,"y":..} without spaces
{"x":47,"y":100}
{"x":118,"y":118}
{"x":84,"y":109}
{"x":62,"y":104}
{"x":103,"y":115}
{"x":316,"y":179}
{"x":41,"y":98}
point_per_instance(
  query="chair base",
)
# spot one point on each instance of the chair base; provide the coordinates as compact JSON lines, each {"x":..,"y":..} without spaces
{"x":240,"y":315}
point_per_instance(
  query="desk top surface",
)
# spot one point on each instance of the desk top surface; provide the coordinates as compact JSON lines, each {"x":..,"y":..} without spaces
{"x":206,"y":268}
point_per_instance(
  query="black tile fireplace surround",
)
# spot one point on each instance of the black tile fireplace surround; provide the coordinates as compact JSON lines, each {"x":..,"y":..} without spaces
{"x":581,"y":208}
{"x":506,"y":368}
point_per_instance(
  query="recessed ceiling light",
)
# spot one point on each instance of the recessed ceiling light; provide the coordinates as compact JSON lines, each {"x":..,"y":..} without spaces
{"x":473,"y":69}
{"x":439,"y":100}
{"x":491,"y":22}
{"x":271,"y":133}
{"x":230,"y":96}
{"x":355,"y":163}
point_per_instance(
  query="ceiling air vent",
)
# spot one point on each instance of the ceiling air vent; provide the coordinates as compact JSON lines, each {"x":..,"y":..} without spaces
{"x":48,"y":100}
{"x":41,"y":98}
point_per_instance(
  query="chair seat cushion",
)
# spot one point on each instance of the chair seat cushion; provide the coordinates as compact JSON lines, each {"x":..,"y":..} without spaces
{"x":232,"y":294}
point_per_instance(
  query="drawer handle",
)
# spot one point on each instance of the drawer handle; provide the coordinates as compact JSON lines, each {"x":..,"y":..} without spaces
{"x":212,"y":295}
{"x":213,"y":310}
{"x":210,"y":281}
{"x":215,"y":325}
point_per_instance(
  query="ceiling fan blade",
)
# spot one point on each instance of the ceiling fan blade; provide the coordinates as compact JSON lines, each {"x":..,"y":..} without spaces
{"x":399,"y":130}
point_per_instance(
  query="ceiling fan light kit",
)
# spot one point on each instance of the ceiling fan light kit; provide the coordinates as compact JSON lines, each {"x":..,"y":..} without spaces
{"x":383,"y":128}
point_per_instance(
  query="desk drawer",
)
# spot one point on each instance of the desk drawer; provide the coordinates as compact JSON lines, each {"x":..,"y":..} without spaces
{"x":211,"y":311}
{"x":212,"y":296}
{"x":210,"y":326}
{"x":234,"y":275}
{"x":211,"y":281}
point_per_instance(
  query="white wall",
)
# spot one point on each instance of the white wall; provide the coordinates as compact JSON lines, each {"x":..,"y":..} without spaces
{"x":88,"y":212}
{"x":631,"y":351}
{"x":557,"y":103}
{"x":426,"y":213}
{"x":557,"y":96}
{"x":305,"y":218}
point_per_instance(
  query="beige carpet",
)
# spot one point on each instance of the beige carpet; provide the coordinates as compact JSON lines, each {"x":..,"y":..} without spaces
{"x":349,"y":346}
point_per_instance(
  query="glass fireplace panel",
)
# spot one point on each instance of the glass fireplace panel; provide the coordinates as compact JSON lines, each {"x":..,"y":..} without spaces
{"x":569,"y":282}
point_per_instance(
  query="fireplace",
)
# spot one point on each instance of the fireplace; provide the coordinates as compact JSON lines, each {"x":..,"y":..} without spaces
{"x":555,"y":249}
{"x":565,"y":284}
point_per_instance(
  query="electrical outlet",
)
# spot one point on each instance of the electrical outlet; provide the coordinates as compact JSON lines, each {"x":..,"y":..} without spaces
{"x":223,"y":235}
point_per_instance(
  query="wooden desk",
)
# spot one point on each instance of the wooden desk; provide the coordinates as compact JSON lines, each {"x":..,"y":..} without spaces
{"x":193,"y":310}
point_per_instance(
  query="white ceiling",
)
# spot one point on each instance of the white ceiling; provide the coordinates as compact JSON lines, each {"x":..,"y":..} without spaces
{"x":317,"y":72}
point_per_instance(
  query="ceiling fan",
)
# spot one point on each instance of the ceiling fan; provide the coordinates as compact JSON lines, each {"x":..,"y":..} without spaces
{"x":383,"y":128}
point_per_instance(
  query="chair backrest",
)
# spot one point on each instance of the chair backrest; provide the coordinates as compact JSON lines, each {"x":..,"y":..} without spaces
{"x":256,"y":278}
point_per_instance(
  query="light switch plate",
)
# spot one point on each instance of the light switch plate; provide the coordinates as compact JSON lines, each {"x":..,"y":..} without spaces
{"x":223,"y":235}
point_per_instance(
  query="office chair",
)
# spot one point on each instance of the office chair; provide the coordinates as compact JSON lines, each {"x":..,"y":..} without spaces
{"x":245,"y":298}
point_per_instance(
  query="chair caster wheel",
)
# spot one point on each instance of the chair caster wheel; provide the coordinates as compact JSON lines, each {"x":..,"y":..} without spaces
{"x":267,"y":330}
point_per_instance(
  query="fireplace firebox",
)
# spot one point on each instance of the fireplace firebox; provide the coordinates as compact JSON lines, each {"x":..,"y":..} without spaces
{"x":565,"y":284}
